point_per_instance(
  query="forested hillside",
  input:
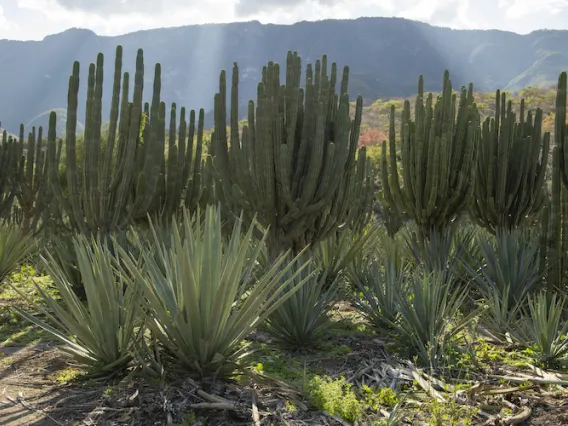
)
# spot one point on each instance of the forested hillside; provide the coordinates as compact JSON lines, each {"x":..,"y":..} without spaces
{"x":384,"y":54}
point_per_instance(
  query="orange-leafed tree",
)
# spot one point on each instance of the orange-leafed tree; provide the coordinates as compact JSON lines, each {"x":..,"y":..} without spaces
{"x":372,"y":137}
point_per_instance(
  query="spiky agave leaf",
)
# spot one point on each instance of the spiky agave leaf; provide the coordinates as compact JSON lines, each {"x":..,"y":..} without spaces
{"x":14,"y":248}
{"x":445,"y":250}
{"x":341,"y":248}
{"x":500,"y":315}
{"x":380,"y":284}
{"x":201,"y":292}
{"x":301,"y":320}
{"x":430,"y":319}
{"x":99,"y":333}
{"x":64,"y":255}
{"x":511,"y":268}
{"x":542,"y":327}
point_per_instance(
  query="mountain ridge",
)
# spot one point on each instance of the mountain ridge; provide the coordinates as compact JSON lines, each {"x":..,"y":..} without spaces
{"x":385,"y":56}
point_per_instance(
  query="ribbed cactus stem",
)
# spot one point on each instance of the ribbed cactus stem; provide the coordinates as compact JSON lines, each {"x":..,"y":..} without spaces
{"x":33,"y":194}
{"x":511,"y":168}
{"x":8,"y":184}
{"x":98,"y":194}
{"x":437,"y":150}
{"x":295,"y":163}
{"x":558,"y":219}
{"x":561,"y":126}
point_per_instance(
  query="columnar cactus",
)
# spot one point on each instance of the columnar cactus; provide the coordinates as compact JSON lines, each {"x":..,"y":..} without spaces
{"x":180,"y":182}
{"x":438,"y":152}
{"x":558,"y":219}
{"x":296,"y":164}
{"x":8,"y":162}
{"x":97,"y":198}
{"x":510,"y":169}
{"x":33,"y":193}
{"x":561,"y":126}
{"x":125,"y":175}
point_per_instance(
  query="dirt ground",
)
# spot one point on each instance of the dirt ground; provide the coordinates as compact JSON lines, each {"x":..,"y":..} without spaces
{"x":31,"y":394}
{"x":26,"y":387}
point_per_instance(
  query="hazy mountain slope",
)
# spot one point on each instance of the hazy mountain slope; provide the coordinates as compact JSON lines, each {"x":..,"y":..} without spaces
{"x":385,"y":56}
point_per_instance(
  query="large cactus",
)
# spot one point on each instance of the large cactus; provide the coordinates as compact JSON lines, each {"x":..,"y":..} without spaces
{"x":511,"y":168}
{"x":296,"y":164}
{"x":180,"y":182}
{"x":561,"y":127}
{"x":8,"y":183}
{"x":97,"y":196}
{"x":33,"y":193}
{"x":438,"y":152}
{"x":558,"y":220}
{"x":124,"y":176}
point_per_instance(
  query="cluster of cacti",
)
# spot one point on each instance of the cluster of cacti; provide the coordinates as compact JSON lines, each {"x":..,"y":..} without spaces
{"x":510,"y":169}
{"x":8,"y":161}
{"x":33,"y":193}
{"x":25,"y":195}
{"x":181,"y":173}
{"x":286,"y":228}
{"x":438,"y":152}
{"x":296,"y":166}
{"x":125,"y":175}
{"x":136,"y":169}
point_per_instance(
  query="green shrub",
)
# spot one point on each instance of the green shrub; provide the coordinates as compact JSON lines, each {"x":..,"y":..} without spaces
{"x":336,"y":397}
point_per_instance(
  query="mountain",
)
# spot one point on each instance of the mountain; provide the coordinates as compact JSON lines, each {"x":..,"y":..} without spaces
{"x":385,"y":55}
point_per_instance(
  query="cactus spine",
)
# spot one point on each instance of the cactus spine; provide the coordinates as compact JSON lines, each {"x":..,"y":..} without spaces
{"x":438,"y":152}
{"x":511,"y":167}
{"x":296,"y":164}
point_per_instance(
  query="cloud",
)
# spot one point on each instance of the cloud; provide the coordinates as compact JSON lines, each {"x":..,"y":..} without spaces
{"x":112,"y":17}
{"x":34,"y":19}
{"x":255,"y":7}
{"x":448,"y":13}
{"x":112,"y":6}
{"x":516,"y":9}
{"x":5,"y":24}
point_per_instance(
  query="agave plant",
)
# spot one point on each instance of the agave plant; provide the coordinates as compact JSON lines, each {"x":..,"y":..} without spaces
{"x":513,"y":264}
{"x":98,"y":334}
{"x":341,"y":248}
{"x":430,"y":319}
{"x":64,"y":255}
{"x":501,"y":315}
{"x":447,"y":251}
{"x":14,"y":248}
{"x":380,"y":284}
{"x":542,"y":327}
{"x":201,"y":293}
{"x":511,"y":269}
{"x":301,"y":320}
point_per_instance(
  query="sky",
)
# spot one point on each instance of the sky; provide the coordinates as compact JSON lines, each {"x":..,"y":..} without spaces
{"x":35,"y":19}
